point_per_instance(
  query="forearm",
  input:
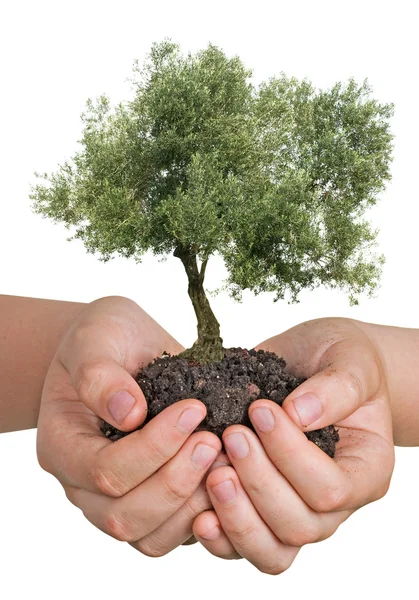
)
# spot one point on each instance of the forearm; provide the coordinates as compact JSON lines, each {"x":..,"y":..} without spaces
{"x":398,"y":349}
{"x":30,"y":332}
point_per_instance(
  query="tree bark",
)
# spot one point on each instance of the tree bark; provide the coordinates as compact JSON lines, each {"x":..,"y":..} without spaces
{"x":209,"y":345}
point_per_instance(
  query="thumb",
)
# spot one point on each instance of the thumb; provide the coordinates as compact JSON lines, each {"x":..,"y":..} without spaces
{"x":95,"y":359}
{"x":109,"y":391}
{"x":349,"y":378}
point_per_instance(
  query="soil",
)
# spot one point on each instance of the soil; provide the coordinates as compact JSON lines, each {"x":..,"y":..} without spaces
{"x":226,"y":388}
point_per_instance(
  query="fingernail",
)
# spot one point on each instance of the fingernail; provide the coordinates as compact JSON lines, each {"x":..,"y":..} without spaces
{"x":189,"y":419}
{"x":203,"y":455}
{"x":119,"y":405}
{"x":309,"y":408}
{"x":225,"y":492}
{"x":212,"y":534}
{"x":263,"y":419}
{"x":237,"y":445}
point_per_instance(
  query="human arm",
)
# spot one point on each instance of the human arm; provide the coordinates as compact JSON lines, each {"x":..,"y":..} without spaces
{"x":30,"y":332}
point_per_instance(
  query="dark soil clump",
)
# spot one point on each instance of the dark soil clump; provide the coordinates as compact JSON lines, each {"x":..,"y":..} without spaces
{"x":226,"y":388}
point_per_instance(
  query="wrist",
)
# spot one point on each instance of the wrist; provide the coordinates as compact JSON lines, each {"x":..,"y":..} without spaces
{"x":398,"y":351}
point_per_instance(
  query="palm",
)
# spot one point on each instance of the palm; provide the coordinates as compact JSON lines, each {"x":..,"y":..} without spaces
{"x":346,"y":370}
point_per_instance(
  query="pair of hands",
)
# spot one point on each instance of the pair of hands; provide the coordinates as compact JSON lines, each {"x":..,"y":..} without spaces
{"x":164,"y":485}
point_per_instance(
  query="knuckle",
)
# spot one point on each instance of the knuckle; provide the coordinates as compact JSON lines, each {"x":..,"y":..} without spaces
{"x":79,"y":335}
{"x":176,"y":491}
{"x":243,"y":535}
{"x":118,"y":528}
{"x":259,"y":484}
{"x":88,"y":375}
{"x":196,"y":504}
{"x":188,"y":509}
{"x":301,"y":537}
{"x":354,"y":384}
{"x":155,"y":454}
{"x":348,"y":378}
{"x":107,"y":482}
{"x":286,"y":456}
{"x":330,"y":500}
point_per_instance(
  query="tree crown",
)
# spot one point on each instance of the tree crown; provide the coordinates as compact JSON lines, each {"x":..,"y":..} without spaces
{"x":276,"y":178}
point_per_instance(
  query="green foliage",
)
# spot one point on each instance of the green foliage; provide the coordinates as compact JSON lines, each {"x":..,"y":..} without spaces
{"x":276,"y":179}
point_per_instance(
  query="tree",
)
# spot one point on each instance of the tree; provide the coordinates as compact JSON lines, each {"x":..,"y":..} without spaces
{"x":276,"y":179}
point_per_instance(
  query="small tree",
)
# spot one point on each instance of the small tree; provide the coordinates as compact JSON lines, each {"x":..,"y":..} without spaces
{"x":276,"y":179}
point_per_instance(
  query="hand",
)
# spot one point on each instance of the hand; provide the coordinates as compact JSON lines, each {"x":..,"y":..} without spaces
{"x":147,"y":487}
{"x":282,"y":491}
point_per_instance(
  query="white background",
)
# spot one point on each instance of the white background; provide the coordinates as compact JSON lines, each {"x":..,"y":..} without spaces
{"x":55,"y":55}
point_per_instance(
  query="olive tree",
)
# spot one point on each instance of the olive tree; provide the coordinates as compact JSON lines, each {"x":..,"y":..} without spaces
{"x":275,"y":178}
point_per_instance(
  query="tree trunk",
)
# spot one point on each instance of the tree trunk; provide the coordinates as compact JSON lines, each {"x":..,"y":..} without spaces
{"x":209,"y":345}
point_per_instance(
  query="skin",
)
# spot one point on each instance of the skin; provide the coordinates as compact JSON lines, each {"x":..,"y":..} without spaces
{"x":31,"y":330}
{"x":137,"y":490}
{"x":147,"y":490}
{"x":281,"y":491}
{"x":398,"y":350}
{"x":86,"y":354}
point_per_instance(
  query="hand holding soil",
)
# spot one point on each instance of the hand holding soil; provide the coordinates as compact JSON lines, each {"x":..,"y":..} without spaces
{"x":346,"y":386}
{"x":118,"y":484}
{"x":134,"y":490}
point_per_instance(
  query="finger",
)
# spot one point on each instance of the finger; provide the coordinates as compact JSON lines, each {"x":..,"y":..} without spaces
{"x":244,"y":527}
{"x":276,"y":501}
{"x":336,"y":392}
{"x":108,"y":390}
{"x":355,"y":477}
{"x":121,"y":330}
{"x":105,"y":350}
{"x":95,"y":463}
{"x":208,"y":531}
{"x":303,"y":346}
{"x":146,"y":507}
{"x":131,"y":460}
{"x":177,"y":529}
{"x":344,"y":373}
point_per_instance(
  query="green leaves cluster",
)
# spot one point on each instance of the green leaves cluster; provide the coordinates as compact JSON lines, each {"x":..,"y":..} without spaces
{"x":276,"y":179}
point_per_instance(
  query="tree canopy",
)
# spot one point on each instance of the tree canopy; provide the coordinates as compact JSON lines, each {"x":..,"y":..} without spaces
{"x":274,"y":178}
